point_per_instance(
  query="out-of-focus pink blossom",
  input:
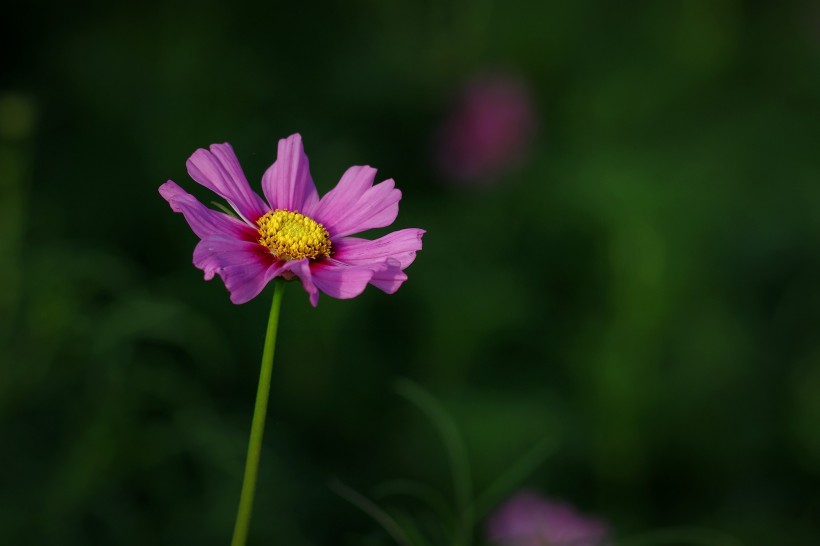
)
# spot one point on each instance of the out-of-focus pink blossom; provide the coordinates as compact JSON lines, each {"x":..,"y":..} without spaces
{"x":528,"y":519}
{"x":489,"y":131}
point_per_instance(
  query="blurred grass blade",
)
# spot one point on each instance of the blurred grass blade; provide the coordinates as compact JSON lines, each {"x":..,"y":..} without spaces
{"x":681,"y":536}
{"x":456,"y":452}
{"x":426,"y":494}
{"x":513,"y":476}
{"x":412,"y":528}
{"x":371,"y":509}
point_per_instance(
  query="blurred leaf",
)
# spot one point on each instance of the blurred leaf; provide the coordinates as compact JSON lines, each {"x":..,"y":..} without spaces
{"x":456,"y":452}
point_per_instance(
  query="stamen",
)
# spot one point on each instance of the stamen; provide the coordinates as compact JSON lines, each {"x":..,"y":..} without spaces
{"x":290,"y":235}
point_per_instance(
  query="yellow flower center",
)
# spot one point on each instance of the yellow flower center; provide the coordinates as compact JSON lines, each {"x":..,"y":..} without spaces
{"x":293,"y":236}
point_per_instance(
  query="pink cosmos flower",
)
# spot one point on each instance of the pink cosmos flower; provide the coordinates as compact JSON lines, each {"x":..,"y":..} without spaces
{"x":528,"y":519}
{"x":489,"y":131}
{"x":292,"y":232}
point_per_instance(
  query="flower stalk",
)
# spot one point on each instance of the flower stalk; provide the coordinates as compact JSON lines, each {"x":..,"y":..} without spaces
{"x":243,"y":516}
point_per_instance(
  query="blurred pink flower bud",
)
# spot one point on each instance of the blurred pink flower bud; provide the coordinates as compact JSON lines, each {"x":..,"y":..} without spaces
{"x":528,"y":519}
{"x":488,"y":132}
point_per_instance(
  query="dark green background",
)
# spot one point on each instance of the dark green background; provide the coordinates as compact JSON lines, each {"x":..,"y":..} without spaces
{"x":644,"y":291}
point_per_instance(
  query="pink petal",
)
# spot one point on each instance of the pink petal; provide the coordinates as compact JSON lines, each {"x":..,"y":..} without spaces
{"x":219,"y":171}
{"x":399,"y":245}
{"x":341,"y":281}
{"x":245,"y":267}
{"x":301,"y":269}
{"x":356,"y":205}
{"x":354,"y":182}
{"x":203,"y":221}
{"x":287,"y":183}
{"x":389,"y":277}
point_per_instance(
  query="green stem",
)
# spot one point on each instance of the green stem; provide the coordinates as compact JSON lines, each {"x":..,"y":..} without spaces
{"x":243,"y":515}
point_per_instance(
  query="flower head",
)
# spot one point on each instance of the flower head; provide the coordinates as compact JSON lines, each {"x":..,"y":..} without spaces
{"x":292,"y":232}
{"x":528,"y":519}
{"x":489,"y":131}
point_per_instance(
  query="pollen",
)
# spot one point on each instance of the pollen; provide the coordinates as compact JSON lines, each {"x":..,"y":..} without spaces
{"x":290,"y":235}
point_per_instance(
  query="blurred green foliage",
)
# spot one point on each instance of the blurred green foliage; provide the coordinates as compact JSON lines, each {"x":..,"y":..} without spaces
{"x":644,"y":291}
